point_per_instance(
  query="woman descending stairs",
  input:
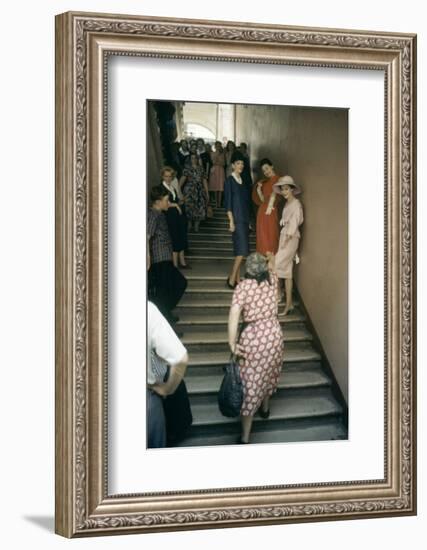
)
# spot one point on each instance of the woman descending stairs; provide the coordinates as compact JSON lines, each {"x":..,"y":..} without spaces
{"x":303,"y":409}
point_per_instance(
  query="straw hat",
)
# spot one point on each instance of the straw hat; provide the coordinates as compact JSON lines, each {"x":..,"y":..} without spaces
{"x":286,"y":180}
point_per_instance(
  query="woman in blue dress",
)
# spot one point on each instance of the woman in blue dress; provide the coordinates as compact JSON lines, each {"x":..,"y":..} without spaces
{"x":237,"y":205}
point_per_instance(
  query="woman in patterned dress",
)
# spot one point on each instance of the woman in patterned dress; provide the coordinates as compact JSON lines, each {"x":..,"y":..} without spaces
{"x":292,"y":218}
{"x":260,"y":347}
{"x":195,"y":191}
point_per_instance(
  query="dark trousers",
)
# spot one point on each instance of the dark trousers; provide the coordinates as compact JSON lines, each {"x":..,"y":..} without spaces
{"x":156,"y":425}
{"x":178,"y":415}
{"x":166,"y":285}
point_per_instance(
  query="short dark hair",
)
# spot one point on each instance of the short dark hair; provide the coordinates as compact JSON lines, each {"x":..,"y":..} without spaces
{"x":265,"y":161}
{"x":237,"y":155}
{"x":157,"y":193}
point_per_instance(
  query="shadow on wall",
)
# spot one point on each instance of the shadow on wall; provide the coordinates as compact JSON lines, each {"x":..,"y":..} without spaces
{"x":311,"y":145}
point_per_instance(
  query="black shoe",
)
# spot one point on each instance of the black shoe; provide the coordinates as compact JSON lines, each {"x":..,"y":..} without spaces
{"x":264,"y":414}
{"x":241,"y":442}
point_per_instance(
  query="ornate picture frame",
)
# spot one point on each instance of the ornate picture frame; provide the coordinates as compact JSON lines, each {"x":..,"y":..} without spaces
{"x":83,"y":44}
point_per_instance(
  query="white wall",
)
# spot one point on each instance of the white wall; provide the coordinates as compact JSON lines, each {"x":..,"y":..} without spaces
{"x":27,"y":274}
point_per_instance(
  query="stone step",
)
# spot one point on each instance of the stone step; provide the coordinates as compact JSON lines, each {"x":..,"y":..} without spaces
{"x":216,"y":220}
{"x":218,"y":370}
{"x":210,"y":256}
{"x":219,"y":211}
{"x":197,"y":285}
{"x":222,"y":243}
{"x":218,"y":309}
{"x":207,"y":286}
{"x":292,"y":354}
{"x":198,"y":384}
{"x":208,"y":270}
{"x":302,"y":430}
{"x":197,"y":249}
{"x":194,"y":336}
{"x":217,"y":236}
{"x":209,"y":308}
{"x":219,"y":321}
{"x":282,"y":408}
{"x":303,"y":392}
{"x":222,"y":346}
{"x":214,"y":252}
{"x":214,"y":229}
{"x":210,"y":299}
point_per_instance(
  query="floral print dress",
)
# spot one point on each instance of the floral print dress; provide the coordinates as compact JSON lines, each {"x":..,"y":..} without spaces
{"x":262,"y":340}
{"x":194,"y":194}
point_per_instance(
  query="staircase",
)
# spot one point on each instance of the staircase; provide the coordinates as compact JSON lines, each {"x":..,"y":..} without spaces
{"x":303,"y":409}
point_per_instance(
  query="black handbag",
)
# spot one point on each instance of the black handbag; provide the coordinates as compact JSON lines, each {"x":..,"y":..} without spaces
{"x":230,"y":395}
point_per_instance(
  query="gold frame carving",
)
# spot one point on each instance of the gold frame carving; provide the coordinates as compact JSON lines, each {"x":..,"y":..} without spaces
{"x":83,"y":43}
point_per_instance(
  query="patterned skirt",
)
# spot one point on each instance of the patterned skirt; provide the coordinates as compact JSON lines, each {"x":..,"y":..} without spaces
{"x":260,"y":368}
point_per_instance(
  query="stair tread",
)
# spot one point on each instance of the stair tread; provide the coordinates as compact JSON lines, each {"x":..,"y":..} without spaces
{"x":332,"y":430}
{"x":195,"y":318}
{"x":215,"y":256}
{"x":288,"y":379}
{"x":224,"y":248}
{"x":194,"y":336}
{"x":301,"y":353}
{"x":304,"y":409}
{"x":282,"y":407}
{"x":210,"y":300}
{"x":218,"y":233}
{"x":198,"y":242}
{"x":208,"y":270}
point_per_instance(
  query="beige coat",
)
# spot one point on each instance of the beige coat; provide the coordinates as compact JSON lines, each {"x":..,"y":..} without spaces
{"x":292,"y":218}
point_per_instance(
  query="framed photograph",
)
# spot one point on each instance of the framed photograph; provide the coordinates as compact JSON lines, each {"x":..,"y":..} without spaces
{"x":214,"y":172}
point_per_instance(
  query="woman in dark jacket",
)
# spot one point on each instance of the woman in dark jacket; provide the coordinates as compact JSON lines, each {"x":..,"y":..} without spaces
{"x":237,"y":206}
{"x":176,"y":219}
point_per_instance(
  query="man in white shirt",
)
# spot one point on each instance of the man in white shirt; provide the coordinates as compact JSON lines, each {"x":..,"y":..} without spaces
{"x":165,"y":344}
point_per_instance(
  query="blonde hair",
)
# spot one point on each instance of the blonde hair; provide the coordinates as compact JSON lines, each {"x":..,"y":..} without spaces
{"x":167,"y":169}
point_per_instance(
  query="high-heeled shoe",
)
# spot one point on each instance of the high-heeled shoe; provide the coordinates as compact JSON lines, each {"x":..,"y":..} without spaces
{"x":286,"y":311}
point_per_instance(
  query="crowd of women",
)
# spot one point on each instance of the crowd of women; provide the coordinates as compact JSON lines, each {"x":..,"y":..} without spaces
{"x":180,"y":202}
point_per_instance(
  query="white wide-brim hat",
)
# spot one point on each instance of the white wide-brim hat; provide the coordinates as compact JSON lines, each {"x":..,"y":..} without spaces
{"x":286,"y":180}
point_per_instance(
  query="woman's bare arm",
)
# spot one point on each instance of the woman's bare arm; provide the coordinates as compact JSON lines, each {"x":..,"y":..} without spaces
{"x":233,"y":324}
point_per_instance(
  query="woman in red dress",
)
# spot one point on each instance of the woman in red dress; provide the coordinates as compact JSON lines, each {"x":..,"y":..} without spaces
{"x":267,"y":221}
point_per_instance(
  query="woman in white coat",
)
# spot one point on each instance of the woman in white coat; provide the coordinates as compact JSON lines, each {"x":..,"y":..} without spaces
{"x":292,"y":218}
